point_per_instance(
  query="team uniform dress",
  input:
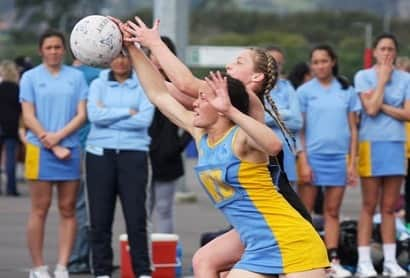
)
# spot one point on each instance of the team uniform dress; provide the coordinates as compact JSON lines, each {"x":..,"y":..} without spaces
{"x":327,"y":133}
{"x":55,"y":99}
{"x":382,"y":138}
{"x":276,"y":238}
{"x":286,"y":100}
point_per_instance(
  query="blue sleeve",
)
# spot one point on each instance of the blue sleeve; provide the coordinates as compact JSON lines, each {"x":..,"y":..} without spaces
{"x":102,"y":115}
{"x":407,"y":92}
{"x":302,"y":100}
{"x":292,"y":116}
{"x":354,"y":102}
{"x":361,"y":85}
{"x":82,"y":87}
{"x":27,"y":92}
{"x":140,"y":120}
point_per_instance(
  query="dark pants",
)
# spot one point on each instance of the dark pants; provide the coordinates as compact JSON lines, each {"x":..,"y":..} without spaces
{"x":10,"y":144}
{"x":407,"y":193}
{"x":126,"y":174}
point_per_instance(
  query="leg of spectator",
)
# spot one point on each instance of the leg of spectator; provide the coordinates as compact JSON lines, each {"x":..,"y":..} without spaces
{"x":67,"y":192}
{"x":40,"y":193}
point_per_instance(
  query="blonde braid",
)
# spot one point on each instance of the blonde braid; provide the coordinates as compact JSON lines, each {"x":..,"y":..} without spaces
{"x":271,"y":79}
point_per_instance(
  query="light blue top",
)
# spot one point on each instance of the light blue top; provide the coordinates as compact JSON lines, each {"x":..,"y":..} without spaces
{"x":90,"y":73}
{"x":286,"y":100}
{"x":112,"y":125}
{"x":326,"y":113}
{"x":55,"y":99}
{"x":383,"y":127}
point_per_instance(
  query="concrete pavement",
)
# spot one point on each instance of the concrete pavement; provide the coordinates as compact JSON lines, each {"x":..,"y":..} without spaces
{"x":192,"y":219}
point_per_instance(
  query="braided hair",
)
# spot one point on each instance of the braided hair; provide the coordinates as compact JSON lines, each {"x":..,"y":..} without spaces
{"x":266,"y":64}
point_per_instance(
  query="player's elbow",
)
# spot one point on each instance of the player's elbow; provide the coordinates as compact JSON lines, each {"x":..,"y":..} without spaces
{"x":275,"y":147}
{"x":371,"y":111}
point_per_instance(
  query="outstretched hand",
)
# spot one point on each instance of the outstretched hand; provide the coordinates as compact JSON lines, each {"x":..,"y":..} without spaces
{"x":140,"y":33}
{"x":123,"y":28}
{"x":219,"y":99}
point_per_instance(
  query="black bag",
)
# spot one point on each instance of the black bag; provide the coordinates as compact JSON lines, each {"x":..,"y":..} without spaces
{"x":348,"y":243}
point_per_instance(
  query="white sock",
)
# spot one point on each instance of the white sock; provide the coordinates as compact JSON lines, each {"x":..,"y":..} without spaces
{"x":364,"y":255}
{"x":60,"y":267}
{"x":40,"y":268}
{"x":389,"y":252}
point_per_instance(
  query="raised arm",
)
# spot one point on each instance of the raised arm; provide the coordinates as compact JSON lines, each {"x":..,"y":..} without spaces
{"x":372,"y":101}
{"x":259,"y":136}
{"x":155,"y":89}
{"x":176,"y":71}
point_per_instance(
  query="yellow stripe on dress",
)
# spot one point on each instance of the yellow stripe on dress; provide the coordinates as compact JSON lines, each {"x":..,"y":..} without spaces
{"x":408,"y":140}
{"x":365,"y":159}
{"x":32,"y":161}
{"x":300,"y":246}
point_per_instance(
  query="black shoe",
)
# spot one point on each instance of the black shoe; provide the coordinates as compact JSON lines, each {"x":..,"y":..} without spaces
{"x":79,"y":268}
{"x":13,"y":194}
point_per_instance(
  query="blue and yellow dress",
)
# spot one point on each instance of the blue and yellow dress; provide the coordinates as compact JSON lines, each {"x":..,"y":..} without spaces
{"x":276,"y":238}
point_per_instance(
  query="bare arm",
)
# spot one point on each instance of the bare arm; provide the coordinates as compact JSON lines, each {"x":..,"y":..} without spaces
{"x":353,"y":135}
{"x":155,"y":89}
{"x":352,"y":168}
{"x":372,"y":102}
{"x":258,"y":135}
{"x":51,"y":139}
{"x":30,"y":120}
{"x":306,"y":175}
{"x":186,"y":100}
{"x":401,"y":114}
{"x":176,"y":71}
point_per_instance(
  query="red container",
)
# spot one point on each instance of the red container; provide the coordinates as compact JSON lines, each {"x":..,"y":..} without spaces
{"x":164,"y":248}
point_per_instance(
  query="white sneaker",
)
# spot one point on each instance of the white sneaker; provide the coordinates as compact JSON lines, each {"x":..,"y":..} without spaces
{"x":103,"y":276}
{"x":61,"y":272}
{"x":39,"y":272}
{"x":365,"y":270}
{"x":337,"y":271}
{"x":392,"y":269}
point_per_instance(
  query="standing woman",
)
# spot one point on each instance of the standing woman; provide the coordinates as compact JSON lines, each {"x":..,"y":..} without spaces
{"x":329,"y":143}
{"x":385,"y":95}
{"x":10,"y":110}
{"x":117,"y":164}
{"x":285,"y":98}
{"x":53,"y":98}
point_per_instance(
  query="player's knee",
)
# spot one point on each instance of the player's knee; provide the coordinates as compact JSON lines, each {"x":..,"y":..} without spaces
{"x":201,"y":262}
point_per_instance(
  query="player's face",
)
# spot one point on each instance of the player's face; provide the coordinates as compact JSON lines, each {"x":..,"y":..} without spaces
{"x":242,"y":67}
{"x":204,"y":114}
{"x":385,"y":48}
{"x":52,"y":51}
{"x":121,"y":66}
{"x":321,"y":64}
